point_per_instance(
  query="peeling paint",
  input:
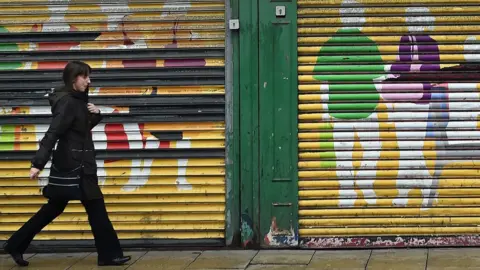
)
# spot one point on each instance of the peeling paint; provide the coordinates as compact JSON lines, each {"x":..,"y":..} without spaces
{"x":389,"y":242}
{"x":280,"y":238}
{"x":246,"y":230}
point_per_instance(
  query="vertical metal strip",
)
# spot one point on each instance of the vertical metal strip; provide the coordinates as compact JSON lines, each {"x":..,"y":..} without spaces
{"x":232,"y":214}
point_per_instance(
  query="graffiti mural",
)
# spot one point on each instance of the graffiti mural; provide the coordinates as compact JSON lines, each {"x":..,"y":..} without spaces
{"x":389,"y":108}
{"x":159,"y":81}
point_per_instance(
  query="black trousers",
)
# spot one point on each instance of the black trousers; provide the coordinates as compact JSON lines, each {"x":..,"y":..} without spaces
{"x":106,"y":240}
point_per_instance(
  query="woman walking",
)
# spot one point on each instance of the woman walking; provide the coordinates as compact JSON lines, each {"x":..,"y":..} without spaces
{"x":73,"y":119}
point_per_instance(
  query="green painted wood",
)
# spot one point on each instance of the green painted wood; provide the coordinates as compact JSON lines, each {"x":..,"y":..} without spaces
{"x":249,"y":145}
{"x":278,"y":125}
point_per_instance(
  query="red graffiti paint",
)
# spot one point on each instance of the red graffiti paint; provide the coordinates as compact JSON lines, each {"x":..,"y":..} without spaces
{"x":164,"y":144}
{"x":116,"y":137}
{"x":185,"y":63}
{"x":139,"y":63}
{"x":141,"y":128}
{"x":36,"y":28}
{"x":174,"y":43}
{"x":73,"y":28}
{"x":51,"y":65}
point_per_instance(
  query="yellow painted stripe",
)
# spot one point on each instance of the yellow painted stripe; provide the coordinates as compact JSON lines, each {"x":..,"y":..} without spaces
{"x":161,"y":90}
{"x":388,"y":20}
{"x":26,"y":146}
{"x":192,"y":162}
{"x":388,"y":173}
{"x":121,"y":226}
{"x":126,"y":197}
{"x":467,"y":192}
{"x":128,"y":26}
{"x":131,"y":7}
{"x":388,"y":10}
{"x":126,"y":217}
{"x":151,"y":207}
{"x":393,"y":211}
{"x":390,"y":29}
{"x":385,"y":49}
{"x":395,"y":38}
{"x":113,"y":190}
{"x":386,"y":58}
{"x":411,"y":202}
{"x":391,"y":221}
{"x":393,"y":183}
{"x":86,"y":235}
{"x":383,"y":2}
{"x":121,"y":180}
{"x":184,"y":126}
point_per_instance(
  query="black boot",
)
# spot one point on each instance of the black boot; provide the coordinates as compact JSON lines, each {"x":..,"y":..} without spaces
{"x":116,"y":261}
{"x":16,"y":256}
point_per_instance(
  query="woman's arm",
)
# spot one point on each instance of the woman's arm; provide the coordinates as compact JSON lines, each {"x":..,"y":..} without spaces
{"x":61,"y":121}
{"x":95,"y":115}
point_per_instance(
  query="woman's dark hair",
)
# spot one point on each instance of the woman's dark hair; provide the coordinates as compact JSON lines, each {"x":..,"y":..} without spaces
{"x":74,"y":69}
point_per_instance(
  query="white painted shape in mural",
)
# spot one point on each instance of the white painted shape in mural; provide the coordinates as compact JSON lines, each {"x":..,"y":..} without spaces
{"x":115,"y":14}
{"x":94,"y":91}
{"x":40,"y":110}
{"x":139,"y":173}
{"x":455,"y":97}
{"x":352,"y":7}
{"x":101,"y":172}
{"x":406,"y":155}
{"x":56,"y":22}
{"x":134,"y":135}
{"x":184,"y":144}
{"x":457,"y":119}
{"x":32,"y":46}
{"x":382,"y":78}
{"x":181,"y":181}
{"x":99,"y":136}
{"x":27,"y":66}
{"x":426,"y":21}
{"x":324,"y":87}
{"x":108,"y":110}
{"x":472,"y":49}
{"x":345,"y":168}
{"x":42,"y":179}
{"x":152,"y":143}
{"x":195,"y":35}
{"x":139,"y":44}
{"x":172,"y":7}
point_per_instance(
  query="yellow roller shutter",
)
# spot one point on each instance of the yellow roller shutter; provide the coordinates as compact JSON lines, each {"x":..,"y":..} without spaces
{"x":389,"y":122}
{"x":158,"y":79}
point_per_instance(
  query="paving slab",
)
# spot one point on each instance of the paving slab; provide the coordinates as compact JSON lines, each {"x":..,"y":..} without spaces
{"x":283,"y":257}
{"x":401,"y":259}
{"x":276,"y":267}
{"x":223,"y":259}
{"x":167,"y":260}
{"x":90,"y":262}
{"x":453,"y":259}
{"x":340,"y":259}
{"x":6,"y":261}
{"x":58,"y":261}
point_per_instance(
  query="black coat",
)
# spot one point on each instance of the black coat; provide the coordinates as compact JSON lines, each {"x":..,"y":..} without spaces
{"x":71,"y":125}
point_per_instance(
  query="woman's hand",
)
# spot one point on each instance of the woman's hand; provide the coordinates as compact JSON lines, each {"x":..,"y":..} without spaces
{"x":92,"y":108}
{"x":34,"y":172}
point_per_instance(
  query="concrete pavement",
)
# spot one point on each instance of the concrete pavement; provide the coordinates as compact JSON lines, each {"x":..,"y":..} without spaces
{"x":402,"y":259}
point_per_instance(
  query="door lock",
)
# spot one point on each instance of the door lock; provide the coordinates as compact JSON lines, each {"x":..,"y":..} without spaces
{"x":280,"y":11}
